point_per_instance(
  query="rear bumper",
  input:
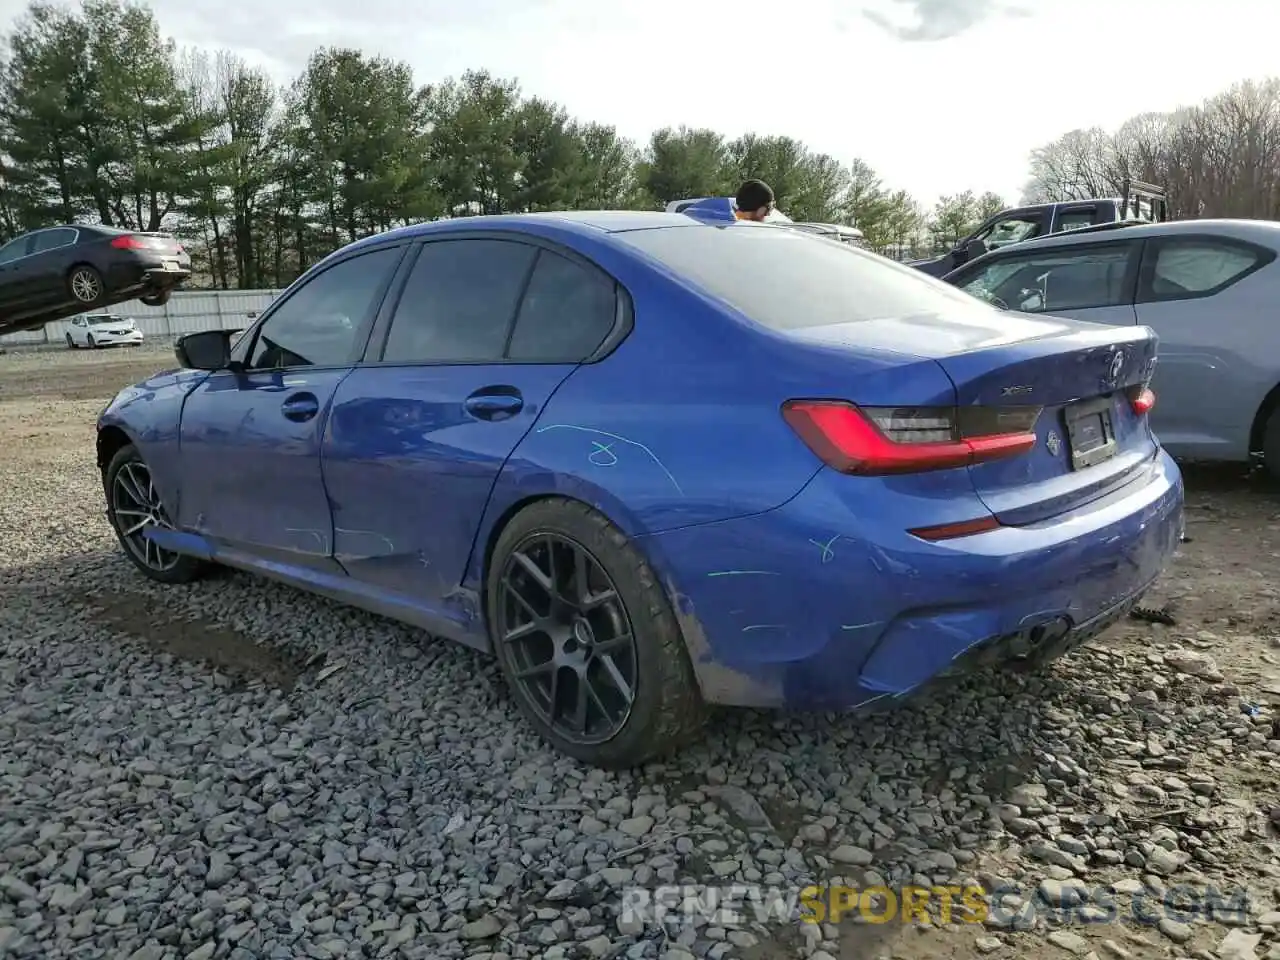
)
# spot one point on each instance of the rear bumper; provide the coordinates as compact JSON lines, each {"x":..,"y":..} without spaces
{"x":138,"y":272}
{"x":825,"y":604}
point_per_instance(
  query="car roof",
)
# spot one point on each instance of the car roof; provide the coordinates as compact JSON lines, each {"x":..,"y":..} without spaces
{"x":1266,"y":232}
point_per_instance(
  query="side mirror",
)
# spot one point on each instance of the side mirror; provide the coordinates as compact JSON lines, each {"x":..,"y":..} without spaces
{"x":975,"y":249}
{"x":207,"y":350}
{"x":252,"y":314}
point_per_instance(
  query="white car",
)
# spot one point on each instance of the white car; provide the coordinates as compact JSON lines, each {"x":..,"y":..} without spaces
{"x":94,"y":330}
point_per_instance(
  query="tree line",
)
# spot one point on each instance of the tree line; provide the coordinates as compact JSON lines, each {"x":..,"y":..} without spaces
{"x":1218,"y":159}
{"x":104,"y":119}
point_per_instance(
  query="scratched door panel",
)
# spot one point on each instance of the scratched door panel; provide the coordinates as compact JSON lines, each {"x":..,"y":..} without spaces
{"x":409,"y":466}
{"x":251,"y":463}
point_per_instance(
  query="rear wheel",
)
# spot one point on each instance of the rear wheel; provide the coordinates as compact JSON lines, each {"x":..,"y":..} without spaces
{"x":134,"y":508}
{"x":586,"y":639}
{"x":85,"y":284}
{"x":1271,"y":445}
{"x":71,"y":344}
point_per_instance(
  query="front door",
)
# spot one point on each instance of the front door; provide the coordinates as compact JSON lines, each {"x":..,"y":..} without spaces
{"x":250,"y":438}
{"x":484,"y":333}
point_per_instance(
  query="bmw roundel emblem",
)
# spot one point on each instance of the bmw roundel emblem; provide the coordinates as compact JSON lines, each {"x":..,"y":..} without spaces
{"x":1117,"y":364}
{"x":1053,"y":443}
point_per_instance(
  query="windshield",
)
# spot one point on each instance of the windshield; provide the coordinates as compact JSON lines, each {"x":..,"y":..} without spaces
{"x":104,"y":318}
{"x":786,"y":279}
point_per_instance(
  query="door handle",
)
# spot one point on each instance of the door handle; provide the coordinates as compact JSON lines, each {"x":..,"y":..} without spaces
{"x":300,"y":407}
{"x":485,"y":405}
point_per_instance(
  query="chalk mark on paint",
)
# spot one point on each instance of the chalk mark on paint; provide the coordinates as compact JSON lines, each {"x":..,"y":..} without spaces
{"x":764,"y":626}
{"x":619,"y":439}
{"x":602,"y":455}
{"x":744,"y":573}
{"x":827,"y":553}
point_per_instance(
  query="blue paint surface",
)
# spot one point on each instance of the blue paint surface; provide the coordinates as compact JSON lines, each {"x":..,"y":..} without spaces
{"x":795,"y":585}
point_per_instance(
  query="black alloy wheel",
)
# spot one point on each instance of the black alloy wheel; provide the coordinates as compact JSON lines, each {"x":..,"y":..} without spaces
{"x":569,"y":639}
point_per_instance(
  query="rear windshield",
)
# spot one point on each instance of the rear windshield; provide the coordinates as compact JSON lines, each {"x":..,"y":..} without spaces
{"x":786,"y":279}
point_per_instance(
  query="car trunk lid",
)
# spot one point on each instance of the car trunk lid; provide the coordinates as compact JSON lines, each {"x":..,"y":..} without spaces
{"x":1092,"y":434}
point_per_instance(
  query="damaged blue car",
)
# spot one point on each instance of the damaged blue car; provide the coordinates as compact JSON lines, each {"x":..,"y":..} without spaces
{"x":655,"y":462}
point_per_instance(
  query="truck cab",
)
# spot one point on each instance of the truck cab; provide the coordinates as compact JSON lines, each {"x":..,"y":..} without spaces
{"x":1140,"y":203}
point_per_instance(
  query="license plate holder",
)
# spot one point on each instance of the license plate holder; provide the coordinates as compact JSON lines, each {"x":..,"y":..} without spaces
{"x":1091,"y":432}
{"x":169,"y":266}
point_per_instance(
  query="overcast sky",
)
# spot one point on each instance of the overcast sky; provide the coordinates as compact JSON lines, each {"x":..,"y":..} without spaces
{"x":938,"y":95}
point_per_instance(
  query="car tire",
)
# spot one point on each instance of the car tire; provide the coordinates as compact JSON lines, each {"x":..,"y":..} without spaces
{"x":71,"y":344}
{"x":157,"y":298}
{"x":1271,"y":446}
{"x":664,"y":709}
{"x":89,"y":342}
{"x":85,"y":285}
{"x":126,"y":483}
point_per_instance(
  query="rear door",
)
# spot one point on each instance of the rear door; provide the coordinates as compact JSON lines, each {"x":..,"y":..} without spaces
{"x":1201,"y":294}
{"x":485,"y":331}
{"x":48,"y":264}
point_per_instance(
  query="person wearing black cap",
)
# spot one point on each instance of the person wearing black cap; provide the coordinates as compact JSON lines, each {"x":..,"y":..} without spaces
{"x":754,"y":201}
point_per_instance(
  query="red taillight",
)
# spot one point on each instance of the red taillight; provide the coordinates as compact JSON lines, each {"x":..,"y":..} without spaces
{"x":949,"y":531}
{"x":1143,"y":400}
{"x":130,"y":242}
{"x":884,"y":440}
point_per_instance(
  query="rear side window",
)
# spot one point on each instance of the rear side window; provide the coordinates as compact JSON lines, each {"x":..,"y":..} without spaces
{"x":52,"y":239}
{"x":567,"y":311}
{"x":786,"y":279}
{"x":459,"y":302}
{"x":1197,"y":267}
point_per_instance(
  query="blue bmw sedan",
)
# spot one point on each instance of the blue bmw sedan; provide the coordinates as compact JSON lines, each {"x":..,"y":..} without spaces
{"x":654,"y":463}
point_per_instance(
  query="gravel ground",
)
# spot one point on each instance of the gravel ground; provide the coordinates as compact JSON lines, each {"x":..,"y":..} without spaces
{"x":234,"y":769}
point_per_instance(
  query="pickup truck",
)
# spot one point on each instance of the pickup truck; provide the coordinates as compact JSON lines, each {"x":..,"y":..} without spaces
{"x":1140,"y":203}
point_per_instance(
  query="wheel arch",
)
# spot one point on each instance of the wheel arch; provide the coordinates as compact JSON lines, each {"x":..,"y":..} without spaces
{"x":482,"y":554}
{"x":112,"y":438}
{"x":1270,"y":404}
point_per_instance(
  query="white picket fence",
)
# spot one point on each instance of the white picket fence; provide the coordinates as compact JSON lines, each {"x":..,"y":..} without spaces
{"x":188,"y":311}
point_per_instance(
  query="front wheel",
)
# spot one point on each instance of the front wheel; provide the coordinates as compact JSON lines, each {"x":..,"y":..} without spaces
{"x":134,"y":508}
{"x":157,"y":299}
{"x":89,"y":342}
{"x":85,"y":284}
{"x":587,"y":640}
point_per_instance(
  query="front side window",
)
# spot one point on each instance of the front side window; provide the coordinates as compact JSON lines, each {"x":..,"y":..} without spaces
{"x":1183,"y":269}
{"x":1072,"y":279}
{"x":318,"y":324}
{"x":459,"y":302}
{"x":1004,"y":232}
